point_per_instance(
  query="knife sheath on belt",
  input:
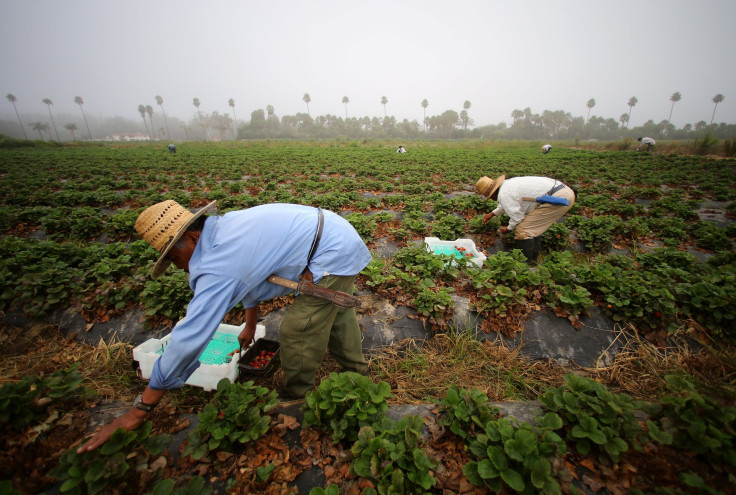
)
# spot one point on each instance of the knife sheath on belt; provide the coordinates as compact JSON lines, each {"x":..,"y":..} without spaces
{"x":339,"y":299}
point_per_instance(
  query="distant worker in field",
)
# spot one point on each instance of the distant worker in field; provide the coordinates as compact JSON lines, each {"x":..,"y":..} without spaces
{"x":401,"y":149}
{"x":172,"y":148}
{"x":649,"y":142}
{"x":529,"y":217}
{"x":229,"y":259}
{"x":546,"y":148}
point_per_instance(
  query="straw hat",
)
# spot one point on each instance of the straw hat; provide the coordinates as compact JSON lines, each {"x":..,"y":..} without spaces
{"x":162,"y":224}
{"x":487,"y":187}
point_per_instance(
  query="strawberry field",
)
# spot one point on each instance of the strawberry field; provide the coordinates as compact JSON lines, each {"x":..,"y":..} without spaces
{"x":649,"y":243}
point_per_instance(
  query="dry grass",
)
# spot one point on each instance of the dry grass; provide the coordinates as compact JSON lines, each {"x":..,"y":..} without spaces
{"x":417,"y":373}
{"x":640,"y":367}
{"x":43,"y":349}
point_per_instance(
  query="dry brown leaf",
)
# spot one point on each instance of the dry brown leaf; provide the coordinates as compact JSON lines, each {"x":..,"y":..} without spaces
{"x":289,"y":421}
{"x":588,"y":464}
{"x":159,"y":463}
{"x":594,"y":482}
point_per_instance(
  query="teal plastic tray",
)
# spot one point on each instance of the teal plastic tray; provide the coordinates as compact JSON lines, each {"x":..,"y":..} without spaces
{"x":448,"y":250}
{"x":218,"y":350}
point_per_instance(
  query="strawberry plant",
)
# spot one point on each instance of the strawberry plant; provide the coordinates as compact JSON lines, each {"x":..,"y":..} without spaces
{"x":335,"y":490}
{"x":711,"y":300}
{"x":195,"y":486}
{"x":518,"y":458}
{"x":435,"y":304}
{"x":168,"y":295}
{"x":363,"y":225}
{"x":597,"y":233}
{"x":236,"y":415}
{"x":41,"y":283}
{"x":707,"y":235}
{"x":448,"y":227}
{"x":375,"y":276}
{"x":414,"y":224}
{"x":629,"y":294}
{"x":417,"y":260}
{"x":24,"y":402}
{"x":693,"y":421}
{"x":477,"y":226}
{"x":556,"y":237}
{"x":498,"y":299}
{"x":508,"y":268}
{"x":121,"y":224}
{"x":73,"y":224}
{"x":345,"y":402}
{"x":390,"y":454}
{"x":466,"y":412}
{"x":573,"y":299}
{"x":597,"y":421}
{"x":115,"y":467}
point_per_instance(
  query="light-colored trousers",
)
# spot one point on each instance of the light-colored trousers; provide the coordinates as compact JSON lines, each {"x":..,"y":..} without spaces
{"x":544,"y":215}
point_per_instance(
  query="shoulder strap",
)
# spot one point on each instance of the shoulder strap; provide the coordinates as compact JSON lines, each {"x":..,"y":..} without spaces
{"x":317,"y":235}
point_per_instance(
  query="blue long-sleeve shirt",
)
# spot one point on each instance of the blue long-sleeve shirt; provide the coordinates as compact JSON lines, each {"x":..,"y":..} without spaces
{"x":235,"y":255}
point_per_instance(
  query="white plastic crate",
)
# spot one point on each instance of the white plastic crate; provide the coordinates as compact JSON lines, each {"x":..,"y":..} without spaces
{"x":207,"y":375}
{"x":437,"y":246}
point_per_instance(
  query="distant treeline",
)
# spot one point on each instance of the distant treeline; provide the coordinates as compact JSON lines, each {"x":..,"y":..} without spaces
{"x":265,"y":124}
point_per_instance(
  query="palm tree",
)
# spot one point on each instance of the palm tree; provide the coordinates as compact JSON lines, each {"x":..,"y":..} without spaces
{"x":384,"y":100}
{"x":196,"y":103}
{"x":306,"y":100}
{"x":345,"y":101}
{"x":716,"y":99}
{"x":48,"y":103}
{"x":466,"y":120}
{"x":269,"y":110}
{"x":71,"y":128}
{"x":12,"y":99}
{"x":632,"y":103}
{"x":676,"y":96}
{"x":149,"y":111}
{"x":231,"y":102}
{"x":41,"y":126}
{"x":79,"y":101}
{"x":590,"y":105}
{"x":142,"y":111}
{"x":517,"y":115}
{"x":424,"y":104}
{"x":160,"y":102}
{"x":624,"y":119}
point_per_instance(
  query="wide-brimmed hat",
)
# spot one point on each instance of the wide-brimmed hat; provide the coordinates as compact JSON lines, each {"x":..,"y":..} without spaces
{"x":162,"y":224}
{"x":487,"y":187}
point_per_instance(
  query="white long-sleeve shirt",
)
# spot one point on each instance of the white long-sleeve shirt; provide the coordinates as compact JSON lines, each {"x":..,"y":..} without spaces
{"x":511,"y":192}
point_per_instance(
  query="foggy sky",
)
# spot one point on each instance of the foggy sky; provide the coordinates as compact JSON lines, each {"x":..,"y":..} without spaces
{"x":499,"y":55}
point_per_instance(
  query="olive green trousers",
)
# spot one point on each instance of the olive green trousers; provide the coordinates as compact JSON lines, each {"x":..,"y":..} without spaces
{"x":313,"y":326}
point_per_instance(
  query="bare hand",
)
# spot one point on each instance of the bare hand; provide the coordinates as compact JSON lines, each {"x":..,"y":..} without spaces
{"x":487,"y":217}
{"x":130,"y":420}
{"x":246,"y":336}
{"x":503,"y":230}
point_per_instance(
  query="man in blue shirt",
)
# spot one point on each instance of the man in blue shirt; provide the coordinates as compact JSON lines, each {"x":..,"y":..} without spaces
{"x":229,"y":259}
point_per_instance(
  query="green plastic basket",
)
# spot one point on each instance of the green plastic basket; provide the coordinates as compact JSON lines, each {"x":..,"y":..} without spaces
{"x":219,"y":349}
